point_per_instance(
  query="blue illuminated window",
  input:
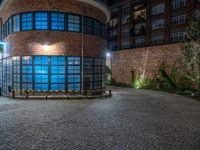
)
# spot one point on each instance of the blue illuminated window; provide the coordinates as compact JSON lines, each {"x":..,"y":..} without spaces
{"x":73,"y":86}
{"x":41,"y":21}
{"x":27,"y":78}
{"x":73,"y":78}
{"x":41,"y":78}
{"x":41,"y":69}
{"x":27,"y":21}
{"x":26,"y":69}
{"x":73,"y":60}
{"x":58,"y":86}
{"x":57,"y":21}
{"x":41,"y":86}
{"x":10,"y":26}
{"x":27,"y":86}
{"x":73,"y":23}
{"x":58,"y":78}
{"x":27,"y":60}
{"x":57,"y":69}
{"x":41,"y":60}
{"x":58,"y":73}
{"x":41,"y":73}
{"x":73,"y":69}
{"x":16,"y":23}
{"x":57,"y":60}
{"x":6,"y":28}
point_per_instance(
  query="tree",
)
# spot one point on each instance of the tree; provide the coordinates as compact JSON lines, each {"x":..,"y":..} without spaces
{"x":191,"y":52}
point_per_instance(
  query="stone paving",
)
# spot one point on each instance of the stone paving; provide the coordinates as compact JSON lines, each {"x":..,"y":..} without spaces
{"x":131,"y":120}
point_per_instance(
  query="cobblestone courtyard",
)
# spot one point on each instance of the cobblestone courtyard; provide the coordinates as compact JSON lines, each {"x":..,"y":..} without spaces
{"x":131,"y":120}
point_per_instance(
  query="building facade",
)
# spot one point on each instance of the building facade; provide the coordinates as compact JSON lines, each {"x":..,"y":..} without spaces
{"x":143,"y":32}
{"x":51,"y":45}
{"x":142,"y":23}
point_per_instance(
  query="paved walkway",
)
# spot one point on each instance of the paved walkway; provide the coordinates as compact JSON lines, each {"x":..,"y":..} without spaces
{"x":131,"y":120}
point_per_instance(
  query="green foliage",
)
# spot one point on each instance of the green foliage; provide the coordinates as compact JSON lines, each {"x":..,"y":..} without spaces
{"x":172,"y":78}
{"x":108,"y":73}
{"x":115,"y":83}
{"x":132,"y":78}
{"x":166,"y":77}
{"x":191,"y":52}
{"x":142,"y":83}
{"x":145,"y":84}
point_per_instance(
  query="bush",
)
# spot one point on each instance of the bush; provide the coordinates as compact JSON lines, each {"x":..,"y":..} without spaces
{"x":114,"y":83}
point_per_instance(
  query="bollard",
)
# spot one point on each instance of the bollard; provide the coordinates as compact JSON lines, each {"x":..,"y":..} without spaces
{"x":13,"y":94}
{"x":27,"y":95}
{"x":46,"y":95}
{"x":87,"y":93}
{"x":110,"y":93}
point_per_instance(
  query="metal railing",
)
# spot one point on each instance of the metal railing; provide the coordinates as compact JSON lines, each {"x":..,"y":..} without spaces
{"x":67,"y":94}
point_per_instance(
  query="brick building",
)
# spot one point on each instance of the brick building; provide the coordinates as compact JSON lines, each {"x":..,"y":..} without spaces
{"x":53,"y":45}
{"x":142,"y":33}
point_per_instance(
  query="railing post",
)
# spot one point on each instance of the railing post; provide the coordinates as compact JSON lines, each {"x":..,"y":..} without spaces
{"x":46,"y":95}
{"x":27,"y":94}
{"x":110,"y":93}
{"x":13,"y":93}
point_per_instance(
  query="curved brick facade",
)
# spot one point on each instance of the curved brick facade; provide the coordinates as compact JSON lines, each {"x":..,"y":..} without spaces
{"x":43,"y":41}
{"x":16,"y":6}
{"x":60,"y":43}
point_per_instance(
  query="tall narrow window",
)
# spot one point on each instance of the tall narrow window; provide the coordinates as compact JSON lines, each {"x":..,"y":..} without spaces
{"x":103,"y":31}
{"x":73,"y":73}
{"x":58,"y":20}
{"x":88,"y":26}
{"x":10,"y":26}
{"x":41,"y":72}
{"x":73,"y":23}
{"x":16,"y":23}
{"x":97,"y":28}
{"x":27,"y":21}
{"x":58,"y":73}
{"x":158,"y":9}
{"x":41,"y":21}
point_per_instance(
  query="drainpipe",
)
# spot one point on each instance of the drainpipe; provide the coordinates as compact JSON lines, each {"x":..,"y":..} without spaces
{"x":82,"y":47}
{"x":199,"y":74}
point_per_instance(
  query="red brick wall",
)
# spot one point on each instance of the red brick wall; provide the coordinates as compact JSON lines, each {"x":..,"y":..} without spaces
{"x":59,"y":43}
{"x":143,"y":60}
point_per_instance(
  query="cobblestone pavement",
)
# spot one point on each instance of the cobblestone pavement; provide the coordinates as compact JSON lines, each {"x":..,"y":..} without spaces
{"x":131,"y":120}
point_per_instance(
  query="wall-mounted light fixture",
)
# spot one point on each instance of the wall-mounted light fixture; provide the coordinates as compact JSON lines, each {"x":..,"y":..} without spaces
{"x":108,"y":54}
{"x":46,"y":47}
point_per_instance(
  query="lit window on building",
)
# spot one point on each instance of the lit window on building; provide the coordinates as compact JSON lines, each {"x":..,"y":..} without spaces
{"x":41,"y":21}
{"x":16,"y":23}
{"x":27,"y":21}
{"x":158,"y":9}
{"x":57,"y":21}
{"x":73,"y":23}
{"x":178,"y":3}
